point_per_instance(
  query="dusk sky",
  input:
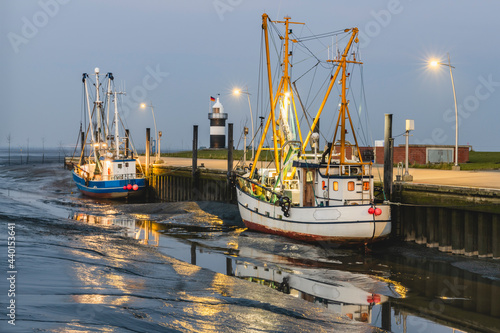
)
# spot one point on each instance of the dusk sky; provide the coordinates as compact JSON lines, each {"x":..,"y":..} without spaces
{"x":176,"y":54}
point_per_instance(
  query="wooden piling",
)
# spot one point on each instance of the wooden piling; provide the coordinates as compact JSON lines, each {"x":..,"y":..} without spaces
{"x":194,"y":168}
{"x":444,"y":230}
{"x":457,"y":232}
{"x":432,"y":227}
{"x":470,"y":232}
{"x":230,"y":144}
{"x":495,"y":239}
{"x":388,"y":156}
{"x":409,"y":224}
{"x":148,"y":148}
{"x":420,"y":219}
{"x":484,"y":232}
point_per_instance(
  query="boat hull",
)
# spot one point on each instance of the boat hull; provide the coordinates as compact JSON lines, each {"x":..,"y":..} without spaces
{"x":349,"y":224}
{"x":109,"y":189}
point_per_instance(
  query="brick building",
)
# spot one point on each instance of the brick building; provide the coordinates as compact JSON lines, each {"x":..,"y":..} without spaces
{"x":422,"y":154}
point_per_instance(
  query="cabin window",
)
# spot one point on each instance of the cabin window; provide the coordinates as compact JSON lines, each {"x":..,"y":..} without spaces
{"x":119,"y":165}
{"x":350,"y":186}
{"x":126,"y":164}
{"x":335,"y":186}
{"x":366,"y":186}
{"x":309,"y":176}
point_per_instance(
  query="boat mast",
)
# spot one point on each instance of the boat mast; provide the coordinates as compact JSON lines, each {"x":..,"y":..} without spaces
{"x":284,"y":93}
{"x":98,"y":104}
{"x":344,"y":109}
{"x":108,"y":98}
{"x":117,"y":139}
{"x":91,"y":125}
{"x":333,"y":79}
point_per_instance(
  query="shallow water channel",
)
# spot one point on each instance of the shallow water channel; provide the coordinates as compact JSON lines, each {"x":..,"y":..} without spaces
{"x":396,"y":287}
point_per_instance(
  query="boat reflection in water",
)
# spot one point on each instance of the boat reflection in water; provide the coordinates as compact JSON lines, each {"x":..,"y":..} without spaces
{"x":341,"y":297}
{"x":401,"y":293}
{"x":145,"y":231}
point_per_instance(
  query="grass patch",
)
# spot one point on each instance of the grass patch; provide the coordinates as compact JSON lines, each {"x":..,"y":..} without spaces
{"x":219,"y":154}
{"x":478,"y":160}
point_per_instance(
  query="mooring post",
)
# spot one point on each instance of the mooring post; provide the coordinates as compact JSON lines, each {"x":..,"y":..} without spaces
{"x":195,"y":150}
{"x":127,"y":135}
{"x":194,"y":175}
{"x":230,"y":144}
{"x":148,"y":148}
{"x":388,"y":156}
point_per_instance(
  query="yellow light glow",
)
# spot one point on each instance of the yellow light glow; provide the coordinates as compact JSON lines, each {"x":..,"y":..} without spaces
{"x":143,"y":105}
{"x":236,"y":91}
{"x":434,"y":63}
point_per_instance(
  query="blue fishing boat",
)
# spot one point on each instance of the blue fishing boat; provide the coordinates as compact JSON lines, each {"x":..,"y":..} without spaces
{"x":106,"y":167}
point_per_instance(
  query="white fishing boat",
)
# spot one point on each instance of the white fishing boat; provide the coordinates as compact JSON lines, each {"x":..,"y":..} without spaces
{"x":314,"y":196}
{"x":108,"y":169}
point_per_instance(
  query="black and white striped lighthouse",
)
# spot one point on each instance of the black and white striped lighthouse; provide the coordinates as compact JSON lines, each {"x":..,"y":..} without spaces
{"x":217,"y":125}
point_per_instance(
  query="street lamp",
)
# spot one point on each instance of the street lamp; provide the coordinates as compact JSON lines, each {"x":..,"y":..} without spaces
{"x":435,"y":63}
{"x":237,"y":92}
{"x":143,"y":106}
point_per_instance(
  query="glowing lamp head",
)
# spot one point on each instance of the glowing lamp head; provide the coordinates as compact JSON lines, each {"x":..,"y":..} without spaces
{"x":434,"y":63}
{"x":143,"y":105}
{"x":236,"y":91}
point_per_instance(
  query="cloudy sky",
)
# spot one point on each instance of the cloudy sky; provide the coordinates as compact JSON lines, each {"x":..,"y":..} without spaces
{"x":176,"y":54}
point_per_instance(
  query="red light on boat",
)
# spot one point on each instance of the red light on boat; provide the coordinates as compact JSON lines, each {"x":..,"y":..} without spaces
{"x":129,"y":186}
{"x":373,"y":298}
{"x":371,"y":210}
{"x":135,"y":187}
{"x":378,"y":211}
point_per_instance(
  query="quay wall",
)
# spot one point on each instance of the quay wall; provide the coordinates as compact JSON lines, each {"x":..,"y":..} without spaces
{"x":458,"y":220}
{"x":179,"y":184}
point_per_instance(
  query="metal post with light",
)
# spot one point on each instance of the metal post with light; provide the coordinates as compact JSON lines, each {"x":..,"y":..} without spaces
{"x":143,"y":106}
{"x":410,"y":126}
{"x":237,"y":92}
{"x":434,"y":64}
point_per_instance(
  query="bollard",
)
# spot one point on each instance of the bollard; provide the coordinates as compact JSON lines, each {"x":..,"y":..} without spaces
{"x":148,"y":148}
{"x":388,"y":156}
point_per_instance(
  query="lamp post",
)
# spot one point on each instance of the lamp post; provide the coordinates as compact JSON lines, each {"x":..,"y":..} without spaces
{"x":143,"y":106}
{"x":237,"y":92}
{"x":435,"y":64}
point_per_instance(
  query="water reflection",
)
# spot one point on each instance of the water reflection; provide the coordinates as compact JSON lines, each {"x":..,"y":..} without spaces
{"x":399,"y":293}
{"x":341,"y":297}
{"x":146,"y":232}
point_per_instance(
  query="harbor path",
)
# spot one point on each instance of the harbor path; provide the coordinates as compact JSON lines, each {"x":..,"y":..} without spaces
{"x":473,"y":179}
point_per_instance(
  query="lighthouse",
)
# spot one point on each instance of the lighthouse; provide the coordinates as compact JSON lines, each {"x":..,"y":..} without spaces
{"x":217,"y":125}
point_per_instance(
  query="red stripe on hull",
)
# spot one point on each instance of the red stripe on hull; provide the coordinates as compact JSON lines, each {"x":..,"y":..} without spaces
{"x":310,"y":238}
